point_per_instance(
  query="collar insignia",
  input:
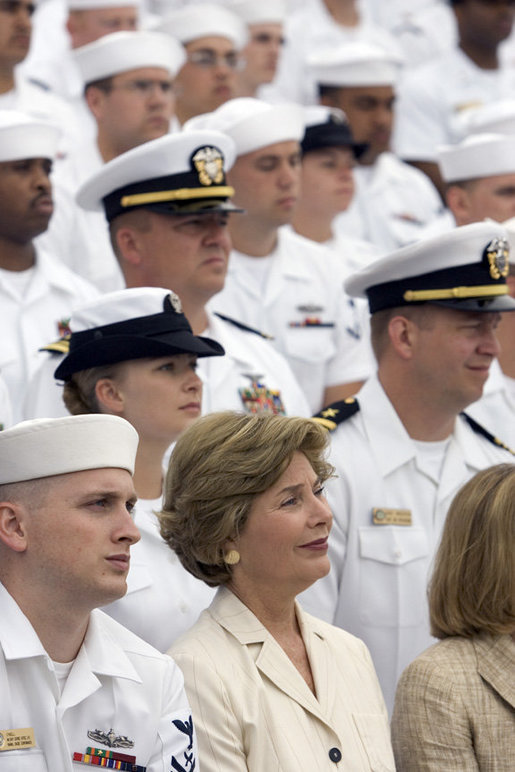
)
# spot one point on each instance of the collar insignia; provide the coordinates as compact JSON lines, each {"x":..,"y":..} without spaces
{"x":209,"y":163}
{"x":498,"y":255}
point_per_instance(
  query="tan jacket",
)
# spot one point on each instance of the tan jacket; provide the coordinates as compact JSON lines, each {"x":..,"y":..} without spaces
{"x":253,"y":711}
{"x":455,"y":708}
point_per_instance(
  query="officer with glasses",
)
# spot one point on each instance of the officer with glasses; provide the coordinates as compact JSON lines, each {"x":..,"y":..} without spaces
{"x":213,"y":38}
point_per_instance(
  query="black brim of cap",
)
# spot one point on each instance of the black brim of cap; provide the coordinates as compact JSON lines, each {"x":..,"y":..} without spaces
{"x":113,"y":349}
{"x":332,"y":139}
{"x":194,"y":207}
{"x":483,"y":305}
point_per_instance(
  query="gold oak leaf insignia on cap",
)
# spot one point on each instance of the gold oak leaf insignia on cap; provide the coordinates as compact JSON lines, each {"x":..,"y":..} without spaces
{"x":498,"y":254}
{"x":209,"y":163}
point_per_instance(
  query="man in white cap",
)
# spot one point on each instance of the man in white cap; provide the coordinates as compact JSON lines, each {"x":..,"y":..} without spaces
{"x":37,"y":293}
{"x":17,"y":91}
{"x":167,"y":203}
{"x":278,"y":281}
{"x":77,"y":687}
{"x":80,"y":22}
{"x":404,"y":446}
{"x":128,"y":84}
{"x":213,"y":38}
{"x":392,"y":201}
{"x":432,"y":96}
{"x":265,"y":21}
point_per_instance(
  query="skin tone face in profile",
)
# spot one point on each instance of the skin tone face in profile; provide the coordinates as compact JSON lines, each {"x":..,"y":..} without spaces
{"x":15,"y":32}
{"x":370,"y":112}
{"x":261,"y":55}
{"x":327,"y":188}
{"x":26,"y":195}
{"x":208,"y":77}
{"x":283,"y":545}
{"x":135,"y":108}
{"x":89,"y":25}
{"x":492,"y":197}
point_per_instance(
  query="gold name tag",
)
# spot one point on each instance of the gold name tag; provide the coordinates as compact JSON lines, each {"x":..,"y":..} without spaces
{"x":15,"y":739}
{"x":385,"y":516}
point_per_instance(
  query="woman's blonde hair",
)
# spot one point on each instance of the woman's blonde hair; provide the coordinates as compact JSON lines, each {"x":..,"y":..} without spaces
{"x":218,"y":467}
{"x":472,"y":589}
{"x":79,"y":393}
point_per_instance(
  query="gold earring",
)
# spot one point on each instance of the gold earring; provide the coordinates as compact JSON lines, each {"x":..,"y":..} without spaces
{"x":232,"y":557}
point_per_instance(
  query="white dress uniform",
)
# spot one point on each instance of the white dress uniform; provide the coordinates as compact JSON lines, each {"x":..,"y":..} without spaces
{"x":6,"y":411}
{"x":251,"y":375}
{"x":314,"y":324}
{"x":427,"y":114}
{"x":393,"y":202}
{"x":496,"y":408}
{"x":376,"y":589}
{"x":118,"y":684}
{"x":311,"y":30}
{"x":32,"y":315}
{"x":163,"y":600}
{"x":426,"y":33}
{"x":80,"y":238}
{"x":33,"y":100}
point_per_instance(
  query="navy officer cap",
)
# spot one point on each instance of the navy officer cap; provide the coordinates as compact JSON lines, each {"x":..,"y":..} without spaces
{"x":174,"y":174}
{"x":131,"y":324}
{"x":464,"y":269}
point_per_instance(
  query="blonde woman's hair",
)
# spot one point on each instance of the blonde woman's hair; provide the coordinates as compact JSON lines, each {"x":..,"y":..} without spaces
{"x":472,"y":589}
{"x":79,"y":393}
{"x":218,"y":467}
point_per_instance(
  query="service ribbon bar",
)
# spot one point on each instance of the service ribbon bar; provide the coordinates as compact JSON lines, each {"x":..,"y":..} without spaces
{"x":106,"y":763}
{"x":110,"y":754}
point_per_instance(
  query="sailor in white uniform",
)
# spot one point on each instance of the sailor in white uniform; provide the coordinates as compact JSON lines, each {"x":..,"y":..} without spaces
{"x":404,"y":446}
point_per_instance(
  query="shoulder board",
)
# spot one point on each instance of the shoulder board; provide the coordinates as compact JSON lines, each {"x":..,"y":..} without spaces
{"x":61,"y":346}
{"x":335,"y":414}
{"x":475,"y":426}
{"x":244,"y":327}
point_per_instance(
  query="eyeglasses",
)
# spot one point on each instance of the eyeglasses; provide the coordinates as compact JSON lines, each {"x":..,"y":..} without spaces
{"x":143,"y":88}
{"x":208,"y":59}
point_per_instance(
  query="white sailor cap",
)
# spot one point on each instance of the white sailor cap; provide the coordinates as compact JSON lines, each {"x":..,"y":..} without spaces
{"x":130,"y":324}
{"x":252,"y":123}
{"x":22,"y":136}
{"x":464,"y":269}
{"x":204,"y":20}
{"x":174,"y":174}
{"x":493,"y":118}
{"x":355,"y":64}
{"x":262,"y":12}
{"x":91,"y":5}
{"x":479,"y":155}
{"x":45,"y":447}
{"x":123,"y":51}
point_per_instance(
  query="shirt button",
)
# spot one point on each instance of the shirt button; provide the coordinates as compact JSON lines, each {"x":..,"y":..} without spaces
{"x":335,"y":755}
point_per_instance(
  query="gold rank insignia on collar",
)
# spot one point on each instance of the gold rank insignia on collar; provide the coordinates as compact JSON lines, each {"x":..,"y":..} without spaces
{"x":333,"y":415}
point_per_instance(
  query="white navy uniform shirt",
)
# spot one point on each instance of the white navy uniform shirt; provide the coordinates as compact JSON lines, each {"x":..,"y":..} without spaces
{"x":393,"y":202}
{"x":432,"y":97}
{"x":31,"y":319}
{"x":496,"y":408}
{"x":80,"y":238}
{"x":376,"y":588}
{"x":163,"y":600}
{"x":314,"y":324}
{"x":117,"y":683}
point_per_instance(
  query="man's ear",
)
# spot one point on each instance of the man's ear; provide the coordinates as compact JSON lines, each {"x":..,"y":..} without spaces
{"x":12,"y":526}
{"x":128,"y":244}
{"x":402,"y":332}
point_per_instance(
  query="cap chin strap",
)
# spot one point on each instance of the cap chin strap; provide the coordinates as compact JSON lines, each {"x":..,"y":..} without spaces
{"x":182,"y":194}
{"x":453,"y":293}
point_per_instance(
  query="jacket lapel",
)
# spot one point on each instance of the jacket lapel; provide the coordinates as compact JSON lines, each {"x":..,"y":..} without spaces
{"x":496,"y":664}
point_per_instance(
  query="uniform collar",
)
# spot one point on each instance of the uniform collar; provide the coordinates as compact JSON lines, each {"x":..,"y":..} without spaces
{"x":496,"y":663}
{"x":18,"y":639}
